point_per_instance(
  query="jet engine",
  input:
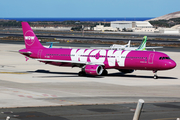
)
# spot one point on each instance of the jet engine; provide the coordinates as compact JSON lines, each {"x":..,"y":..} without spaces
{"x":126,"y":70}
{"x":93,"y":69}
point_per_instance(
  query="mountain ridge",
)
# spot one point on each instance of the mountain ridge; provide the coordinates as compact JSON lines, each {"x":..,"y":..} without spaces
{"x":167,"y":17}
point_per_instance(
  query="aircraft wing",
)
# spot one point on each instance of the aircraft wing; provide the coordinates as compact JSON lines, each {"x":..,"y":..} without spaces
{"x":100,"y":47}
{"x":73,"y":62}
{"x":131,"y":48}
{"x":111,"y":47}
{"x":154,"y":47}
{"x":116,"y":46}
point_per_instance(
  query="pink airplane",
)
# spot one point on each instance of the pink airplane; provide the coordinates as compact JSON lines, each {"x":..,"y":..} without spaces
{"x":94,"y":61}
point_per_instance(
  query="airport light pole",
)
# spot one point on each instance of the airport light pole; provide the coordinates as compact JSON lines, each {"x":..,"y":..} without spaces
{"x":7,"y":118}
{"x":83,"y":30}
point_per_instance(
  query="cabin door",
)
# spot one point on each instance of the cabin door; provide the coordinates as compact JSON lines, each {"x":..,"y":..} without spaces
{"x":150,"y":59}
{"x":39,"y":53}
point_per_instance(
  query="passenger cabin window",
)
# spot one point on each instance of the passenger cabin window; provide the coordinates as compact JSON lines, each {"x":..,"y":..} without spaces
{"x":163,"y":58}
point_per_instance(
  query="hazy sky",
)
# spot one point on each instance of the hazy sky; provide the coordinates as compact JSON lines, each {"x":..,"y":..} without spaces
{"x":87,"y":8}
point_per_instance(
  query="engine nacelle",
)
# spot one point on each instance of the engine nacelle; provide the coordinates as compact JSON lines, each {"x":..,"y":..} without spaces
{"x":126,"y":70}
{"x":93,"y":69}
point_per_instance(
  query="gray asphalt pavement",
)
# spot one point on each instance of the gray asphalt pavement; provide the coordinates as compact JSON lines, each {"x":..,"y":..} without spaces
{"x":151,"y":111}
{"x":33,"y":90}
{"x":103,"y":36}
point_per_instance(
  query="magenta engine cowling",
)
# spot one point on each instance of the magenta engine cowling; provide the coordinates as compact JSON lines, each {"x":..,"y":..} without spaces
{"x":94,"y":69}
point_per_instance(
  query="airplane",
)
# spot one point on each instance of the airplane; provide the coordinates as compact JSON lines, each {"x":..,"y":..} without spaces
{"x":142,"y":46}
{"x":120,"y":47}
{"x":94,"y":61}
{"x":128,"y":46}
{"x":115,"y":46}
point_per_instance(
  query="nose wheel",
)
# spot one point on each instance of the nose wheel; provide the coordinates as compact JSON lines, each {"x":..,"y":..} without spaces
{"x":155,"y":74}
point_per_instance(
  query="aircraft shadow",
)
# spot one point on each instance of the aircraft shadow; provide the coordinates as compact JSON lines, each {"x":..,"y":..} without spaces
{"x":62,"y":73}
{"x":90,"y":76}
{"x":138,"y":76}
{"x":48,"y":72}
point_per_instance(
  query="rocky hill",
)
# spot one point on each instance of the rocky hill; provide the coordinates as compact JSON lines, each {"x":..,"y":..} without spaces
{"x":167,"y":17}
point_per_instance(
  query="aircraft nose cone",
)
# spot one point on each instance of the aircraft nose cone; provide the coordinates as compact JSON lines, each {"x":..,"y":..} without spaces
{"x":168,"y":64}
{"x":172,"y":64}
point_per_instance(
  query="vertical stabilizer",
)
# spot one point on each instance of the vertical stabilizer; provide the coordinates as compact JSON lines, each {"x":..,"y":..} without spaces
{"x":129,"y":43}
{"x":143,"y":44}
{"x":30,"y":39}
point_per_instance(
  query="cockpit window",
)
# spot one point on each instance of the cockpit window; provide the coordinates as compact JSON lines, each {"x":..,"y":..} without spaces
{"x":163,"y":58}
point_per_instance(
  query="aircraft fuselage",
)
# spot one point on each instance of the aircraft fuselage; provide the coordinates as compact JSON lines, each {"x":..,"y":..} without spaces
{"x":118,"y":59}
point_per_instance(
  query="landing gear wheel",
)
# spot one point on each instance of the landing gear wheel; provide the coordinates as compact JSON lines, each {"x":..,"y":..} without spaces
{"x":155,"y":74}
{"x":104,"y":73}
{"x":81,"y":73}
{"x":155,"y":77}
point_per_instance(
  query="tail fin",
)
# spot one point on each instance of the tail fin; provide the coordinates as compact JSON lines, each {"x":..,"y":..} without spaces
{"x":143,"y":44}
{"x":30,"y":39}
{"x":129,"y":43}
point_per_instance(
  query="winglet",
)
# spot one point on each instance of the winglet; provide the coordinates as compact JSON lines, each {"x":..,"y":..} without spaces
{"x":143,"y":44}
{"x":30,"y":39}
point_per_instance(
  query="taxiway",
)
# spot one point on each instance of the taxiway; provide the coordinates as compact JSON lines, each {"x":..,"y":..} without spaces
{"x":33,"y":84}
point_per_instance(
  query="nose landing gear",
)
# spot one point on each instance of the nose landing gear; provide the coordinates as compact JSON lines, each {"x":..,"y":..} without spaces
{"x":155,"y":74}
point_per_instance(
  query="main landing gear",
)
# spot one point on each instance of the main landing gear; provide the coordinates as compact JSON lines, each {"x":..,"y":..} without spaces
{"x":81,"y":73}
{"x":104,"y":73}
{"x":155,"y":74}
